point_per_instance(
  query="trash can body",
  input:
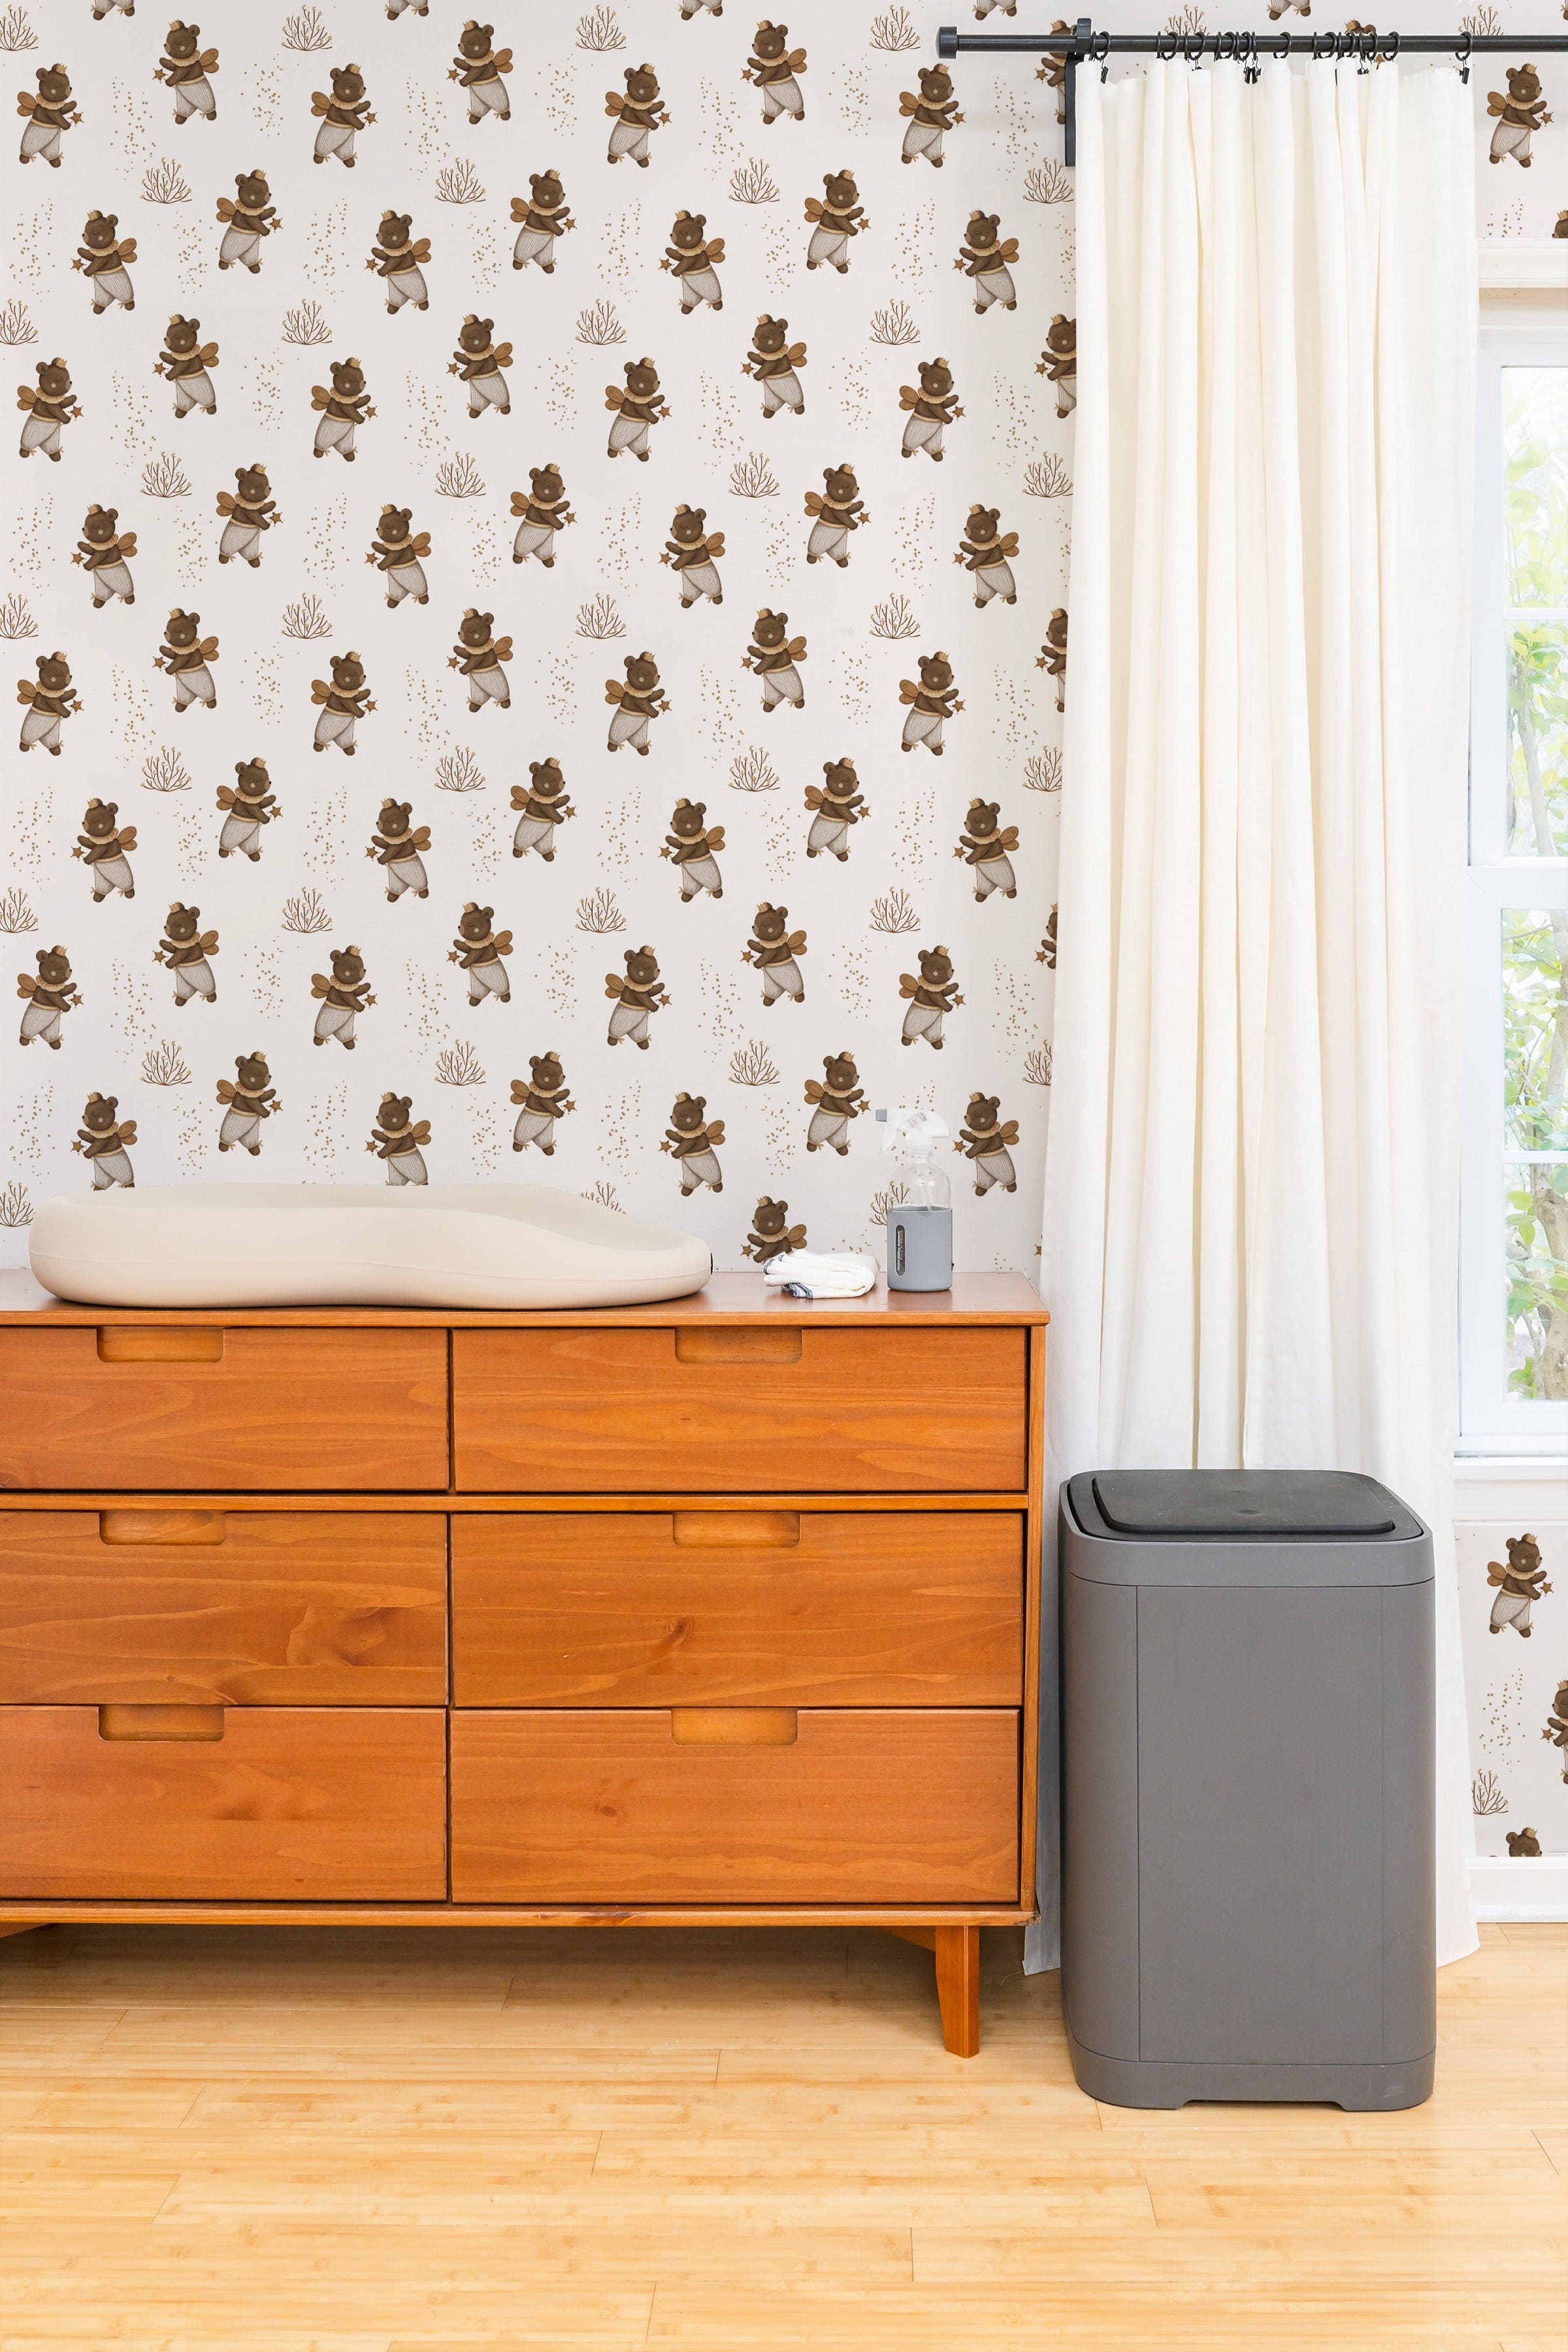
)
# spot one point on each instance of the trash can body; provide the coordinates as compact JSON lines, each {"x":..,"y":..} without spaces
{"x":1247,"y":1788}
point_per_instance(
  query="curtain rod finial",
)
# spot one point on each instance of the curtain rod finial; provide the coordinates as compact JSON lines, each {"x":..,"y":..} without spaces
{"x":947,"y":41}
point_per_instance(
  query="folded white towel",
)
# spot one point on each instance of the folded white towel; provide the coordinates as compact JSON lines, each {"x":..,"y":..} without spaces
{"x":822,"y":1274}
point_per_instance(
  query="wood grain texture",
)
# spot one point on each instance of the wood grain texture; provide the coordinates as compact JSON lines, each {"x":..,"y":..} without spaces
{"x":290,"y":1607}
{"x":724,"y":1299}
{"x":292,"y":1802}
{"x":600,"y":1805}
{"x":283,"y":1408}
{"x":894,"y":1609}
{"x":614,"y":1411}
{"x":958,"y":1989}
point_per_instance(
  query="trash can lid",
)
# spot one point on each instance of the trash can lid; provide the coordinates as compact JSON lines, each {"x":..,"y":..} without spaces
{"x":1250,"y":1504}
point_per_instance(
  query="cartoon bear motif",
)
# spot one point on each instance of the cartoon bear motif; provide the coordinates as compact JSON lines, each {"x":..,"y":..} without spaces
{"x":1521,"y":1584}
{"x":692,"y":1139}
{"x":104,"y":553}
{"x":186,"y":949}
{"x":932,"y":701}
{"x":774,"y":949}
{"x":1059,"y":362}
{"x":986,"y":553}
{"x":542,"y":216}
{"x":637,"y":998}
{"x":186,"y":68}
{"x":692,"y":551}
{"x":103,"y":258}
{"x":836,"y":216}
{"x":692,"y":258}
{"x":773,"y":655}
{"x":478,"y":657}
{"x":47,"y":116}
{"x":772,"y":1234}
{"x":692,"y":847}
{"x":1556,"y":1730}
{"x":104,"y":1142}
{"x":187,"y":364}
{"x":47,"y":409}
{"x":47,"y":704}
{"x":1053,"y":655}
{"x":635,"y":116}
{"x":986,"y":257}
{"x":1045,"y":952}
{"x":773,"y":66}
{"x":186,"y":656}
{"x":478,"y":68}
{"x":542,"y":805}
{"x":477,"y":363}
{"x":1520,"y":115}
{"x":1277,"y":8}
{"x":247,"y":1098}
{"x":248,"y":511}
{"x":932,"y":114}
{"x":343,"y":703}
{"x":49,"y":997}
{"x":397,"y":257}
{"x":542,"y":510}
{"x":636,"y":410}
{"x":250,"y":217}
{"x":986,"y":1143}
{"x":984,"y":8}
{"x":398,"y":847}
{"x":247,"y":804}
{"x":342,"y":409}
{"x":933,"y":407}
{"x":690,"y":8}
{"x":773,"y":362}
{"x":104,"y":846}
{"x":344,"y":994}
{"x":932,"y":997}
{"x":636,"y":704}
{"x":102,"y":8}
{"x":837,"y":804}
{"x":478,"y":950}
{"x":837,"y":510}
{"x":398,"y":551}
{"x":985,"y":847}
{"x":398,"y":1139}
{"x":395,"y":8}
{"x":1522,"y":1844}
{"x":836,"y":1098}
{"x":541,"y":1098}
{"x":342,"y":116}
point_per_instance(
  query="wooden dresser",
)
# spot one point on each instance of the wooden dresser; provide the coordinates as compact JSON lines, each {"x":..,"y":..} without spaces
{"x":720,"y":1610}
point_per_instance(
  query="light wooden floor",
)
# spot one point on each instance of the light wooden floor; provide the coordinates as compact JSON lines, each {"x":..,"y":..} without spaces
{"x":256,"y":2141}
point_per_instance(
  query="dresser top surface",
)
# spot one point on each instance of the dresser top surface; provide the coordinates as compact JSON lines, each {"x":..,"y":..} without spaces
{"x":974,"y":1298}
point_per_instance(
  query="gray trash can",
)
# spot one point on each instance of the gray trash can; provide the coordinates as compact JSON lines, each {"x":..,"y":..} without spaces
{"x":1247,"y":1788}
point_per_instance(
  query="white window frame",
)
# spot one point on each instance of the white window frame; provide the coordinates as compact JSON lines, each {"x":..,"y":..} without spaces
{"x":1490,"y":1422}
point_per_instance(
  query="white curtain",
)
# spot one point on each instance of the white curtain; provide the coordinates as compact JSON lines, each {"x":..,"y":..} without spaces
{"x":1252,"y":1184}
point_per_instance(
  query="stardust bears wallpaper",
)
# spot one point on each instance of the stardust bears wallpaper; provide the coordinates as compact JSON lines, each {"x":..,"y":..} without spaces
{"x":535,"y":576}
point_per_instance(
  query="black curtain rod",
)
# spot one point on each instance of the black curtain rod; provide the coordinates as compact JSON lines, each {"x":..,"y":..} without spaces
{"x":1084,"y":46}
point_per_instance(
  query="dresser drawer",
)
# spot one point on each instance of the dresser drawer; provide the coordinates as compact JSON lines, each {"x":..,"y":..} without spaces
{"x":737,"y":1409}
{"x":738,"y":1608}
{"x":247,"y":1608}
{"x":129,"y":1405}
{"x":287,"y":1804}
{"x":846,"y":1805}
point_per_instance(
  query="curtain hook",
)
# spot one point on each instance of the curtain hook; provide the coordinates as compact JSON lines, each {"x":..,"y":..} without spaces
{"x":1462,"y":55}
{"x":1100,"y":50}
{"x":1166,"y":54}
{"x":1388,"y":54}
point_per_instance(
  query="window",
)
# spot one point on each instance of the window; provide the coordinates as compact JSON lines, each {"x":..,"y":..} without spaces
{"x":1514,"y":1269}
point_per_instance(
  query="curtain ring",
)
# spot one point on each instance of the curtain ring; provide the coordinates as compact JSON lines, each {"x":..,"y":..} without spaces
{"x":1166,"y":54}
{"x":1193,"y":47}
{"x":1225,"y":45}
{"x":1462,"y":55}
{"x":1098,"y":49}
{"x":1388,"y":51}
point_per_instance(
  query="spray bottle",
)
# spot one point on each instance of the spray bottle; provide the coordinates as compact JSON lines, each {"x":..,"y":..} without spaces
{"x":920,"y":1228}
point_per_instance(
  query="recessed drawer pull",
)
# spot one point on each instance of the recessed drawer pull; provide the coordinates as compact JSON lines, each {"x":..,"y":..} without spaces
{"x":736,"y":1530}
{"x":694,"y":1345}
{"x":152,"y":1527}
{"x":734,"y":1726}
{"x":125,"y":1722}
{"x":149,"y":1344}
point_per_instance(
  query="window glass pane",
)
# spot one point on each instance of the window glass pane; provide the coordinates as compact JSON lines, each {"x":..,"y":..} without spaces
{"x":1537,"y":1243}
{"x":1538,"y":737}
{"x":1535,"y":1029}
{"x":1535,"y":464}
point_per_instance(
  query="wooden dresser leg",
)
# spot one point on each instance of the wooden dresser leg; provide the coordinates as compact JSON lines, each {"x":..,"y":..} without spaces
{"x":958,"y":1989}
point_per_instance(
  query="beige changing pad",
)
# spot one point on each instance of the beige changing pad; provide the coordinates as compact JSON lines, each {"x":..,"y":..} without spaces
{"x":511,"y":1245}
